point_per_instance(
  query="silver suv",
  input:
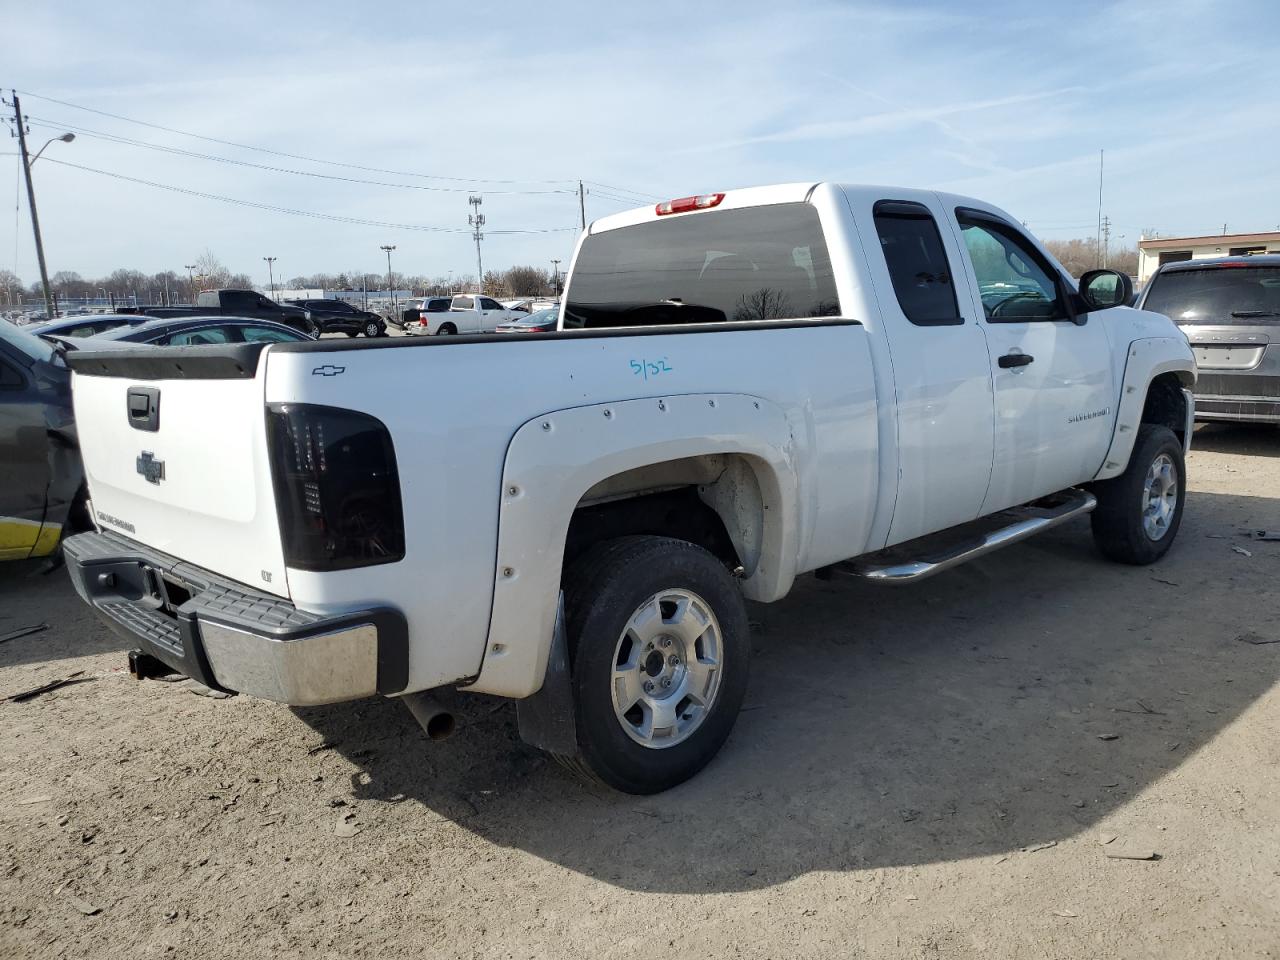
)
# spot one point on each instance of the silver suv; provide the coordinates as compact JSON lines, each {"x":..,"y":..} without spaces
{"x":1229,"y":308}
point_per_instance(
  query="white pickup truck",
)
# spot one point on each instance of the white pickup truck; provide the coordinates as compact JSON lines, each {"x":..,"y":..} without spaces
{"x":747,"y":386}
{"x":467,"y":313}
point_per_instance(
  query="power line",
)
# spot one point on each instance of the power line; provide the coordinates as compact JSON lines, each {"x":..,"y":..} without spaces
{"x":129,"y":141}
{"x":290,"y":210}
{"x":278,"y":153}
{"x":637,"y":193}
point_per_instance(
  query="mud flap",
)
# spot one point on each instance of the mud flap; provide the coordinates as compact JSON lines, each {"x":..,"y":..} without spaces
{"x":546,"y":719}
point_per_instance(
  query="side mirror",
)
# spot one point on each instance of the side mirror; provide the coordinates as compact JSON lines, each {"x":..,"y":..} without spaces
{"x":1104,"y":289}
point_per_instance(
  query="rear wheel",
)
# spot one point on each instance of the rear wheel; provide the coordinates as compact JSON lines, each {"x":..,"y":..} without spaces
{"x":446,"y":329}
{"x":660,"y":652}
{"x":1139,"y":512}
{"x":372,"y":328}
{"x":313,"y":328}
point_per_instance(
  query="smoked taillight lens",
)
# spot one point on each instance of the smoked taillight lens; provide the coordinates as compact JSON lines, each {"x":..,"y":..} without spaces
{"x":336,"y":485}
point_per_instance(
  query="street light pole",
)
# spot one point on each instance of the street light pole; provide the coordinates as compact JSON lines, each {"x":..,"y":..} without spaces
{"x":191,"y":280}
{"x":19,"y":123}
{"x":555,"y":270}
{"x":271,"y":277}
{"x":395,"y":307}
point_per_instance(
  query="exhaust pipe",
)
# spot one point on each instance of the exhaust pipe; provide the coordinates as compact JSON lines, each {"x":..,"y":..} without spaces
{"x":431,"y":712}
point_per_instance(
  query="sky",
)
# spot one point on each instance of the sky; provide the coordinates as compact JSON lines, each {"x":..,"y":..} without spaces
{"x":430,"y":103}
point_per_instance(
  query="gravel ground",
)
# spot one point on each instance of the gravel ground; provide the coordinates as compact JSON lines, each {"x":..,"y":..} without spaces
{"x":940,"y":771}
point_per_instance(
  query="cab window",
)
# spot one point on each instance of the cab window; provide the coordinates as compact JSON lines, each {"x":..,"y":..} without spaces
{"x":463,"y":303}
{"x":1015,"y":282}
{"x":917,"y":262}
{"x":487,"y":304}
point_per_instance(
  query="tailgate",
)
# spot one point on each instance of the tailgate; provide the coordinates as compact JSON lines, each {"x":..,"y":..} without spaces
{"x":175,"y":454}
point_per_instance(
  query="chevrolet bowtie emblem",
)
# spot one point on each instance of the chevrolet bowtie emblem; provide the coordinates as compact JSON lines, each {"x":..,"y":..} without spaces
{"x":328,"y":370}
{"x":149,"y":467}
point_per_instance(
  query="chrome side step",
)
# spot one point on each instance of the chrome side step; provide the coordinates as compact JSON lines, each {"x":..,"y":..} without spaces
{"x":1026,"y":522}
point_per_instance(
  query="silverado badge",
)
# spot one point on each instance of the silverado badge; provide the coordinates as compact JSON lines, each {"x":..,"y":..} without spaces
{"x":149,"y":467}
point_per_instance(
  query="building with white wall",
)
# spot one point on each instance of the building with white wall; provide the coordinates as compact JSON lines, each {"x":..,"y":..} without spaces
{"x":1157,"y":250}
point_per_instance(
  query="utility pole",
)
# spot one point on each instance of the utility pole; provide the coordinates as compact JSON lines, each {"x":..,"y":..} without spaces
{"x":395,"y":307}
{"x":20,"y":124}
{"x":1101,"y":158}
{"x":191,"y":280}
{"x":271,"y":275}
{"x":582,"y":204}
{"x":476,"y":220}
{"x":555,"y":271}
{"x":1106,"y":240}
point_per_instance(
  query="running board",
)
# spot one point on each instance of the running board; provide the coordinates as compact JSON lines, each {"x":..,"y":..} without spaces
{"x":1025,"y":522}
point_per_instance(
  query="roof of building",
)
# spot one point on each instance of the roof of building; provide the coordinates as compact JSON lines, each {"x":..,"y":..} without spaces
{"x":1216,"y":240}
{"x":1209,"y":263}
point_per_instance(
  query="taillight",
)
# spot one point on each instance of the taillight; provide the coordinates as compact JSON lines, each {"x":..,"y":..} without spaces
{"x":337,"y":488}
{"x":685,"y":204}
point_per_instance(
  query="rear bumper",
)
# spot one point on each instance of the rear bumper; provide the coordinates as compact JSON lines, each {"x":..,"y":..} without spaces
{"x":1238,"y":409}
{"x":231,"y":637}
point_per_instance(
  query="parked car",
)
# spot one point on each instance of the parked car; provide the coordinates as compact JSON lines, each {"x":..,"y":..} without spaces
{"x":88,"y":326}
{"x":761,"y":383}
{"x":338,"y":316}
{"x":196,"y":331}
{"x":239,"y":303}
{"x":42,"y":491}
{"x":467,"y":313}
{"x":541,"y":321}
{"x":1229,"y":308}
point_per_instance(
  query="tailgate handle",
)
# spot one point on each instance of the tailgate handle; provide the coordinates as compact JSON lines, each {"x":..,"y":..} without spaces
{"x":144,"y":408}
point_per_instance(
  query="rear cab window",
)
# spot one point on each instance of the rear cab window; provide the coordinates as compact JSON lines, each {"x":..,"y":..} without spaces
{"x":723,"y":266}
{"x":1216,"y":294}
{"x":917,"y":262}
{"x":438,"y":306}
{"x":463,"y":303}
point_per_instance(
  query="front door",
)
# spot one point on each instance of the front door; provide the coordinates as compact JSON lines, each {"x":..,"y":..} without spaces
{"x":1050,"y":366}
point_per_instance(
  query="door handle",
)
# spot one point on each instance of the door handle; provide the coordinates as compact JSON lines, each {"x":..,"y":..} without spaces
{"x":1015,"y":360}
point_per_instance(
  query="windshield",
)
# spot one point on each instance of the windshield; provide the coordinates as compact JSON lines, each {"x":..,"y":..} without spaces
{"x":1216,"y":294}
{"x":756,"y":263}
{"x":24,"y":343}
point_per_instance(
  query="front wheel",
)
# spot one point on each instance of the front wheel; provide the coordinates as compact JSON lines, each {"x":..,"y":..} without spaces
{"x":659,"y":643}
{"x":1139,"y":512}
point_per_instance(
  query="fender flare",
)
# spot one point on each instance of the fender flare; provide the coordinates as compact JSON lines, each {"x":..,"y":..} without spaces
{"x":553,"y":459}
{"x":1147,"y":359}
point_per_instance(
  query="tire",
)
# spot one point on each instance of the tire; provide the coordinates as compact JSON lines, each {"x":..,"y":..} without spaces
{"x":353,"y":333}
{"x":313,"y":329}
{"x":372,"y":328}
{"x":1129,"y":526}
{"x":446,"y":330}
{"x":611,"y":589}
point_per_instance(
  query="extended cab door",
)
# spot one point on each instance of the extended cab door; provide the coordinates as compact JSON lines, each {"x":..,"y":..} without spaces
{"x":941,"y":371}
{"x":1050,"y":366}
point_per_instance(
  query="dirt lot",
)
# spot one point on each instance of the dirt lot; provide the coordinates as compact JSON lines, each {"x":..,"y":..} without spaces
{"x":929,"y":772}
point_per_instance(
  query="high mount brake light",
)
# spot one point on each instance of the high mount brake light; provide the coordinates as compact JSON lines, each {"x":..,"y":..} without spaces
{"x":685,"y":204}
{"x":337,"y":488}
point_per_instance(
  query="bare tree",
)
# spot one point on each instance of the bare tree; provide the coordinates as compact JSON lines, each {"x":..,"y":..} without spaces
{"x":763,"y":304}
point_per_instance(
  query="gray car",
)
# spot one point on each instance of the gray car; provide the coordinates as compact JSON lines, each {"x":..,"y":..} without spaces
{"x":1229,"y":308}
